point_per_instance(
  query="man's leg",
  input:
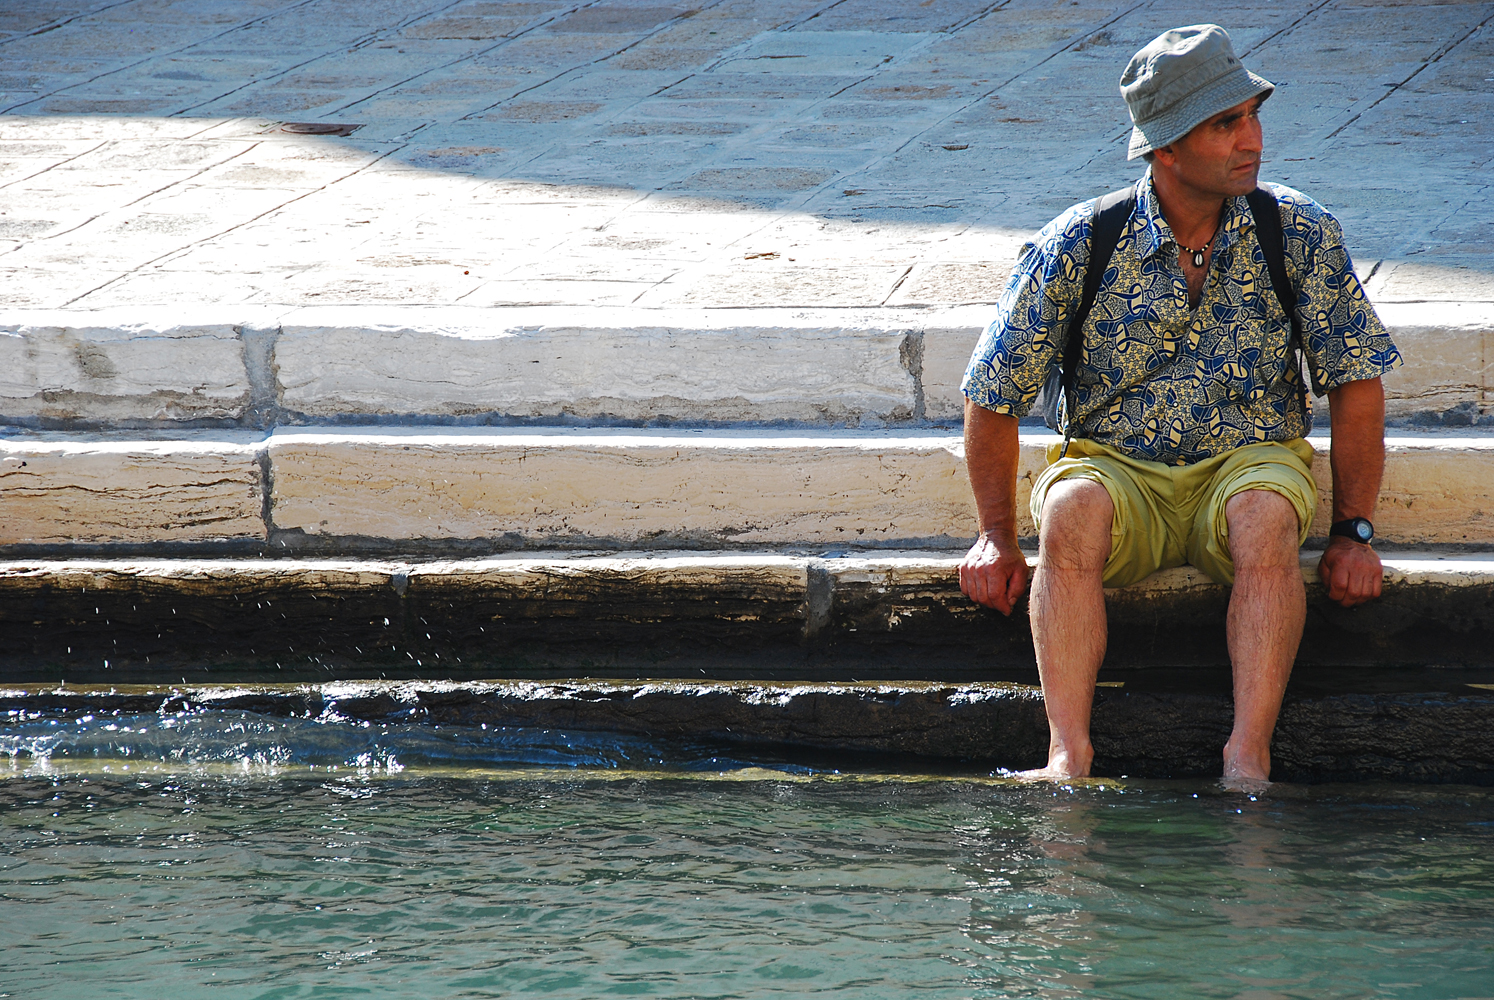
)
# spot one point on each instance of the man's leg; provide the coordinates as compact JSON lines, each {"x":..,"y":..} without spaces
{"x":1266,"y":612}
{"x":1067,"y":611}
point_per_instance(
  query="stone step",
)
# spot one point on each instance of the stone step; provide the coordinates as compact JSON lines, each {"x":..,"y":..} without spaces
{"x":764,"y":615}
{"x":463,"y":490}
{"x":1426,"y":726}
{"x":850,"y":367}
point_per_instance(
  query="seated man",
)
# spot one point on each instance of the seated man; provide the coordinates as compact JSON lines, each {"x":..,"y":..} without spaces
{"x":1188,"y":407}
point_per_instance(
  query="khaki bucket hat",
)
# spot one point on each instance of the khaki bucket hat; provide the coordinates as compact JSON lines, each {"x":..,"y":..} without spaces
{"x":1180,"y":78}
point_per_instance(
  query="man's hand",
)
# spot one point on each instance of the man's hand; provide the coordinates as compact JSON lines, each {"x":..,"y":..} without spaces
{"x":994,"y":573}
{"x":1350,"y":570}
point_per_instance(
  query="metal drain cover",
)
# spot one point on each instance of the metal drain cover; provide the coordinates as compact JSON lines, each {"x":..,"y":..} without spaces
{"x":319,"y":128}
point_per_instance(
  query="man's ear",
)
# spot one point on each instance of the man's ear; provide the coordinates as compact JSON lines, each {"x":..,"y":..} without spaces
{"x":1165,"y":155}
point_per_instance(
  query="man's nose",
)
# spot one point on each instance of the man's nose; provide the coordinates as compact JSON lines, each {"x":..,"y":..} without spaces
{"x":1252,"y":138}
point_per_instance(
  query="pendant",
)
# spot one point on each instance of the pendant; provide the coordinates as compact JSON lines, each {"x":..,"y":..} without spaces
{"x":1198,"y":258}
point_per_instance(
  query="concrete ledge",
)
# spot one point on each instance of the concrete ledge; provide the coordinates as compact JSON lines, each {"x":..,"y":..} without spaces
{"x":87,"y":490}
{"x":1449,"y":352}
{"x":1436,"y":729}
{"x":760,"y":615}
{"x":852,"y":367}
{"x":624,"y":489}
{"x":452,"y":491}
{"x":64,"y":370}
{"x":347,"y":488}
{"x":1448,"y":349}
{"x":722,"y":366}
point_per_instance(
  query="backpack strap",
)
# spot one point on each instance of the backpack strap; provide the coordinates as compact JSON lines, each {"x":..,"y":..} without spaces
{"x":1263,"y":207}
{"x":1112,"y":212}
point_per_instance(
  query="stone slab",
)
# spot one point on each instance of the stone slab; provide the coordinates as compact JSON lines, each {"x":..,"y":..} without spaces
{"x":1435,"y":491}
{"x":61,"y":491}
{"x":1448,"y":349}
{"x":838,"y":367}
{"x":700,"y":489}
{"x":62,"y":369}
{"x":679,"y":489}
{"x":598,"y":364}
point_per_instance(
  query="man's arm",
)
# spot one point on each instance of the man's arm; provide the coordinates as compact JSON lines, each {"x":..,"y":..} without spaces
{"x":1352,"y":571}
{"x":994,"y":571}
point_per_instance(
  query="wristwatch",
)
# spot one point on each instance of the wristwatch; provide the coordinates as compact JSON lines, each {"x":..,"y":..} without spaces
{"x":1357,"y":528}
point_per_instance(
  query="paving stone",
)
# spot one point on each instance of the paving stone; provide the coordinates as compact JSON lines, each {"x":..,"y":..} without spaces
{"x":1029,"y":89}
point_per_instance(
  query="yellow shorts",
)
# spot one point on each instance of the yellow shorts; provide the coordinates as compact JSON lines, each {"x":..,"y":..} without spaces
{"x":1167,"y":515}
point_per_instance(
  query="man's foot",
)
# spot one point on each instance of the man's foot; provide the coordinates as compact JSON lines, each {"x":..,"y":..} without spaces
{"x":1246,"y":766}
{"x":1062,"y":766}
{"x":1245,"y":786}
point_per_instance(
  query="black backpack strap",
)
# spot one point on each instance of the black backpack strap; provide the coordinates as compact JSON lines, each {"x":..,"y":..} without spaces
{"x":1268,"y":234}
{"x":1112,"y":212}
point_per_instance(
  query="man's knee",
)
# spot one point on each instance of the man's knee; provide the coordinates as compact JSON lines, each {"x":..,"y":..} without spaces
{"x":1263,"y":529}
{"x":1077,"y":514}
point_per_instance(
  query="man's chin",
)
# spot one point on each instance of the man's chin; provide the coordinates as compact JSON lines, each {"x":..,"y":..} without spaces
{"x":1244,"y":181}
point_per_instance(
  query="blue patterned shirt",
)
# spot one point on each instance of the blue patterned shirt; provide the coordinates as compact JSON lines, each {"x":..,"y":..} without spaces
{"x":1159,"y":380}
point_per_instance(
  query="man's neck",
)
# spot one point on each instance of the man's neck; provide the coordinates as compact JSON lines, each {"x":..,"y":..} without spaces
{"x":1192,"y":215}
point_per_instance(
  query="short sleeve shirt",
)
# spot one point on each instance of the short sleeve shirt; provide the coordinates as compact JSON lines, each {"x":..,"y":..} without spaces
{"x":1159,"y":380}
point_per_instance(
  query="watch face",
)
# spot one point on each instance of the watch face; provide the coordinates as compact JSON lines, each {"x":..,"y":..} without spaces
{"x":1363,"y":531}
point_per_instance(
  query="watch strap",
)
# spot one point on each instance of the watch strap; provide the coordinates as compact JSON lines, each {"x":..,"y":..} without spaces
{"x":1357,"y":528}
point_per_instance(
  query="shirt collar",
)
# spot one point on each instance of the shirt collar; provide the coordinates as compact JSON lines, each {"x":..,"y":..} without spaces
{"x":1155,"y":235}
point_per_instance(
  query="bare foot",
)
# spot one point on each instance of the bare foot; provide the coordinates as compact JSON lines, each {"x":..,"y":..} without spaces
{"x":1062,"y":766}
{"x":1247,"y":765}
{"x":1245,"y":786}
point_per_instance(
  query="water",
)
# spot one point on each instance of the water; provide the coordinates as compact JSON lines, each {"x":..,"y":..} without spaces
{"x":234,"y":855}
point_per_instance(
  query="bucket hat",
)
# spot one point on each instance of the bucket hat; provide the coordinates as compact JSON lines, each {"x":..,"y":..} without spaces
{"x":1180,"y":78}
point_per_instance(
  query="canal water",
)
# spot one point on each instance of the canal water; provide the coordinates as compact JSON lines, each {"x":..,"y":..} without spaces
{"x":226,"y":854}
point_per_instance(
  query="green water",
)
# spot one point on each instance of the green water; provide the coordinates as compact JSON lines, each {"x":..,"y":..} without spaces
{"x":223,"y":856}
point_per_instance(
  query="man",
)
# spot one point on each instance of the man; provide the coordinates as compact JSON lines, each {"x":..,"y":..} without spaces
{"x":1189,"y":405}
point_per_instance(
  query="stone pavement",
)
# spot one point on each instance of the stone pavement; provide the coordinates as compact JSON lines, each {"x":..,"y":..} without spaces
{"x":730,"y":153}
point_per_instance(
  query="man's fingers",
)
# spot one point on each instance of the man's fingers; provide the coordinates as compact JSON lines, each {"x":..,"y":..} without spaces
{"x":1016,"y":585}
{"x":971,"y":582}
{"x":1352,"y":576}
{"x":1338,"y":581}
{"x":1364,"y":587}
{"x":993,"y":584}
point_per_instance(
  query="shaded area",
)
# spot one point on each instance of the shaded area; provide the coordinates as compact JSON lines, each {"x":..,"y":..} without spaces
{"x":724,"y":154}
{"x":771,"y":619}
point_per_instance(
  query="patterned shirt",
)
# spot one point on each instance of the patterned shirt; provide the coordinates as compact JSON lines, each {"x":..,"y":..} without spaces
{"x":1159,"y":380}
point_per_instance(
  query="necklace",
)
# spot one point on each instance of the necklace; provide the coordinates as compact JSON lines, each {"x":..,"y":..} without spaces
{"x":1198,"y":255}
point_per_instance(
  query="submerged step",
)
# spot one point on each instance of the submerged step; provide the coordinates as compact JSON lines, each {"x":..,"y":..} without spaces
{"x":757,"y":615}
{"x":1431,"y":727}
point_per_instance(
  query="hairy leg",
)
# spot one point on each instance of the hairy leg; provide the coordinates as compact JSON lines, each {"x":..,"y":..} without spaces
{"x":1266,"y":613}
{"x":1068,"y":618}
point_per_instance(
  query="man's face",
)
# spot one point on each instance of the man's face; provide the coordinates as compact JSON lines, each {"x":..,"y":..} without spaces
{"x":1221,"y":157}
